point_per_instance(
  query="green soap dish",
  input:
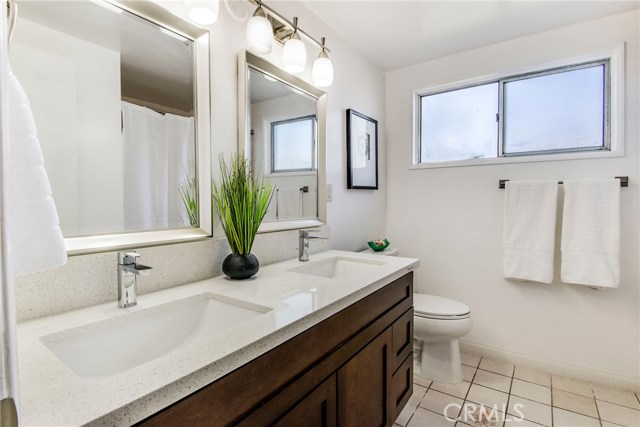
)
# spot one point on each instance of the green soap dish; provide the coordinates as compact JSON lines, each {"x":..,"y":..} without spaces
{"x":378,"y":248}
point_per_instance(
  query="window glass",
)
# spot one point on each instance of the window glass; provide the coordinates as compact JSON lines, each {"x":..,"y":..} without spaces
{"x":460,"y":124}
{"x":559,"y":111}
{"x":293,"y":143}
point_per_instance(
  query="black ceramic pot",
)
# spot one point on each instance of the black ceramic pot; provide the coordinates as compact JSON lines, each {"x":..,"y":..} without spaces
{"x":239,"y":267}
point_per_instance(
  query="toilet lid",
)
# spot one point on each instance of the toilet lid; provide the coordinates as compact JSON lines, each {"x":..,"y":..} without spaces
{"x":431,"y":305}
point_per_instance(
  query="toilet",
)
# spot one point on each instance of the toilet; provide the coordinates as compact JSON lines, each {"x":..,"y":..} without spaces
{"x":438,"y":324}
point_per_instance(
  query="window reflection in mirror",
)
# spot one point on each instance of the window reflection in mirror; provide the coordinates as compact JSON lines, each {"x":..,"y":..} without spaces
{"x":283,"y":123}
{"x":113,"y":99}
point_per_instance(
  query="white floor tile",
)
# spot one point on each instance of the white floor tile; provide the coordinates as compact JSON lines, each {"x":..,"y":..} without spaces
{"x":532,"y":376}
{"x":571,"y":385}
{"x":492,"y":380}
{"x":619,"y":414}
{"x":497,"y":367}
{"x":617,"y":396}
{"x":458,"y":390}
{"x":405,"y":415}
{"x":468,"y":372}
{"x":424,"y":418}
{"x":562,"y":418}
{"x":424,"y":382}
{"x":531,"y":391}
{"x":530,"y":410}
{"x":575,"y":403}
{"x":412,"y":404}
{"x":487,"y":396}
{"x":440,"y":402}
{"x":517,"y":422}
{"x":470,"y":359}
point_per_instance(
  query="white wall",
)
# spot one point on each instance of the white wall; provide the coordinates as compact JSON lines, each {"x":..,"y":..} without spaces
{"x":354,"y":216}
{"x":451,"y":218}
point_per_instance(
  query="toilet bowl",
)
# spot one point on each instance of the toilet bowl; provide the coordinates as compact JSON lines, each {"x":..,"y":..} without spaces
{"x":438,"y":324}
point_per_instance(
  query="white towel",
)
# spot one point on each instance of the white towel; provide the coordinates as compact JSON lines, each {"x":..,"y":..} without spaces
{"x":591,"y":232}
{"x":35,"y":238}
{"x":529,"y":230}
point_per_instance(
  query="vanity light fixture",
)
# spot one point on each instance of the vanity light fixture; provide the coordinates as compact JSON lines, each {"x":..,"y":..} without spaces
{"x":322,"y":71}
{"x":259,"y":32}
{"x":202,"y":12}
{"x":288,"y":34}
{"x":294,"y":54}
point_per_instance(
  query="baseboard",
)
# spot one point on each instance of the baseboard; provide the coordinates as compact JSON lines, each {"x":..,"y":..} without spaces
{"x":551,"y":366}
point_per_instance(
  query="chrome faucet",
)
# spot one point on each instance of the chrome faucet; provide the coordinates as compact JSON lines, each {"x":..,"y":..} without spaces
{"x":128,"y":270}
{"x":303,"y":244}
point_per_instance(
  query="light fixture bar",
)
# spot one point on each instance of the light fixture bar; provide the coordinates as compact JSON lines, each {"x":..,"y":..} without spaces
{"x":284,"y":20}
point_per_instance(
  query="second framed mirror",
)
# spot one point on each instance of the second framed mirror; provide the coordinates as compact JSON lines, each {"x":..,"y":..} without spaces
{"x":282,"y":130}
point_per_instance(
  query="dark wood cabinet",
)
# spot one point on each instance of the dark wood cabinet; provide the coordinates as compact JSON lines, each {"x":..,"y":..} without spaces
{"x":363,"y":399}
{"x":318,"y":409}
{"x":352,"y":369}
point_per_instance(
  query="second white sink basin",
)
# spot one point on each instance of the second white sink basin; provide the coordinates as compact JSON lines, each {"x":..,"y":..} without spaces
{"x":109,"y":347}
{"x":338,"y":267}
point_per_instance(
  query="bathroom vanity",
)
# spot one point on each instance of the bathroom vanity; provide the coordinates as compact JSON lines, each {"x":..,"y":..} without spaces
{"x":327,"y":342}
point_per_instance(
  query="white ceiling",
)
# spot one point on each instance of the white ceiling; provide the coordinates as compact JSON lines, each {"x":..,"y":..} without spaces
{"x":394,"y":34}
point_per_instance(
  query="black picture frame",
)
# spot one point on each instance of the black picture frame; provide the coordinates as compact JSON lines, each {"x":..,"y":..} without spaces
{"x":362,"y":151}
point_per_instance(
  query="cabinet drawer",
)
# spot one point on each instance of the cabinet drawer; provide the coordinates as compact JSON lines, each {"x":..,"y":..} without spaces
{"x":402,"y":338}
{"x":402,"y":386}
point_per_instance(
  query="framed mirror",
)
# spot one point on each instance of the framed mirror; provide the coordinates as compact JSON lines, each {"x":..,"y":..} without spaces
{"x":282,"y":130}
{"x":120,"y":96}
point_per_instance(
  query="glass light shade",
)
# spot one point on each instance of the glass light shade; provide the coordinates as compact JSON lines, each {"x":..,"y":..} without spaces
{"x":259,"y":35}
{"x":322,"y":72}
{"x":203,"y":12}
{"x":294,"y":56}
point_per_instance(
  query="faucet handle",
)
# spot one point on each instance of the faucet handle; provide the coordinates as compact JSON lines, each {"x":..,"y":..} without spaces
{"x":125,"y":258}
{"x":305,"y":233}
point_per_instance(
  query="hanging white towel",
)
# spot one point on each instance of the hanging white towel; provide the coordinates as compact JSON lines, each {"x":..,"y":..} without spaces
{"x":591,"y":232}
{"x":35,"y":238}
{"x":289,"y":203}
{"x":529,"y":230}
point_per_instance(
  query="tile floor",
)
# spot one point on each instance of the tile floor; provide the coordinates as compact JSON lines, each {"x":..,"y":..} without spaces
{"x":519,"y":397}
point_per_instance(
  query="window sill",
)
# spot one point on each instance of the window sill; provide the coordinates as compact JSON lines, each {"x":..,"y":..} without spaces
{"x":519,"y":159}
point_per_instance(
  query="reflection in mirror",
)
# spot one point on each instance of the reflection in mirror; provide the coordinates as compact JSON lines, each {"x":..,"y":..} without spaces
{"x":113,"y":96}
{"x":282,"y":129}
{"x":283,"y":145}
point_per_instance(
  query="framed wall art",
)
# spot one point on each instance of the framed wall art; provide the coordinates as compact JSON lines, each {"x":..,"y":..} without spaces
{"x":362,"y":151}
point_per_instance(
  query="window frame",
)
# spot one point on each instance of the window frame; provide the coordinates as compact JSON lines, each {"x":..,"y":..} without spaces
{"x":613,"y":121}
{"x":314,"y":126}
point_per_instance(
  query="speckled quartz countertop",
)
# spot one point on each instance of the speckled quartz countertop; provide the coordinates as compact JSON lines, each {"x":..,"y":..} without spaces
{"x":54,"y":395}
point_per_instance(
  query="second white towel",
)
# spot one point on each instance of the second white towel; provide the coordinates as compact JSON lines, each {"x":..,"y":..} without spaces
{"x":529,"y":230}
{"x":591,"y":232}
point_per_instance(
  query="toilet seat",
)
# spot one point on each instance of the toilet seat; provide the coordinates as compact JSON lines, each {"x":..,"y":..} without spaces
{"x":435,"y":307}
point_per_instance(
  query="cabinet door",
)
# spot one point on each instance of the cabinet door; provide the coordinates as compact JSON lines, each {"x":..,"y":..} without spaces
{"x":318,"y":409}
{"x":402,"y":338}
{"x":363,"y":398}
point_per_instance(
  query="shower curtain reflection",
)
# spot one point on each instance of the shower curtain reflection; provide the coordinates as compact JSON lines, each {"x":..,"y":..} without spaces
{"x":158,"y":155}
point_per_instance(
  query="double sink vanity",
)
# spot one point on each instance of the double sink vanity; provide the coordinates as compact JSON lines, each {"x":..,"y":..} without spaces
{"x":327,"y":340}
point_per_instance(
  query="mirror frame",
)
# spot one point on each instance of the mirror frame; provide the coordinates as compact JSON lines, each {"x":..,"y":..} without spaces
{"x":200,"y":37}
{"x":248,"y":60}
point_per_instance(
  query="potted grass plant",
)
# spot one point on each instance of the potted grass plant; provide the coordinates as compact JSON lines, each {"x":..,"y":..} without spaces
{"x":241,"y":200}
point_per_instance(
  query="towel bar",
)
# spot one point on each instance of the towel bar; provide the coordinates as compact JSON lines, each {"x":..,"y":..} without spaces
{"x":624,"y":182}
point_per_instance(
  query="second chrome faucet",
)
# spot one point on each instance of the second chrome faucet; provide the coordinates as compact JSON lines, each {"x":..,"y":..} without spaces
{"x":303,"y":243}
{"x":128,"y":271}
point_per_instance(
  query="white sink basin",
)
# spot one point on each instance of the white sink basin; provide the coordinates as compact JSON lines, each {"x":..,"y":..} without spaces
{"x":338,"y":267}
{"x":109,"y":347}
